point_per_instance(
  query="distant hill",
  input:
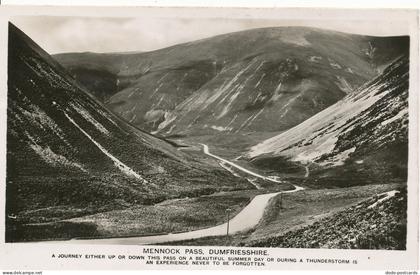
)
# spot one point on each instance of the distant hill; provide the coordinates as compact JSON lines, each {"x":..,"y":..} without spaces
{"x":268,"y":79}
{"x":68,"y":156}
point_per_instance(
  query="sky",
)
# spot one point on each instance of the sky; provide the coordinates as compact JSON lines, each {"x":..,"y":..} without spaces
{"x":79,"y":34}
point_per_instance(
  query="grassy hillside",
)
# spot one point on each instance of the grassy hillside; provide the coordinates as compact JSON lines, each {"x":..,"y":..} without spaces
{"x":377,"y":223}
{"x":68,"y":156}
{"x":256,"y":80}
{"x":362,"y":139}
{"x":359,"y":217}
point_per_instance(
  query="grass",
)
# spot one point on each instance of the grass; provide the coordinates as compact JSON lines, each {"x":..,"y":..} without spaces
{"x":17,"y":232}
{"x":305,"y":207}
{"x":228,"y":145}
{"x":195,"y":150}
{"x":371,"y":224}
{"x":44,"y":107}
{"x":169,"y":216}
{"x":296,"y":211}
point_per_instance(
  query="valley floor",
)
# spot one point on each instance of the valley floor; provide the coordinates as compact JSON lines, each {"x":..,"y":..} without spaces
{"x":170,"y":216}
{"x":295,"y":212}
{"x":286,"y":212}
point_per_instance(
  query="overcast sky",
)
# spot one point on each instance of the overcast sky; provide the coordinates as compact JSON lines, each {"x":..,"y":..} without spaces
{"x":79,"y":34}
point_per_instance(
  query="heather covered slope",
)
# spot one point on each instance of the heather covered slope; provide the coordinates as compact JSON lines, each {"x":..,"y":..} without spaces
{"x":267,"y":79}
{"x":68,"y":156}
{"x":361,"y":139}
{"x":376,"y":223}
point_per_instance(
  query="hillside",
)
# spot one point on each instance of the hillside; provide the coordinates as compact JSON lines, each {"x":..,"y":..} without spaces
{"x":68,"y":156}
{"x":361,"y":139}
{"x":267,"y":79}
{"x":376,"y":223}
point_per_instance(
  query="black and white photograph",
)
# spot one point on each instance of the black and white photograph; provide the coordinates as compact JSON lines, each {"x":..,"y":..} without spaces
{"x":207,"y":132}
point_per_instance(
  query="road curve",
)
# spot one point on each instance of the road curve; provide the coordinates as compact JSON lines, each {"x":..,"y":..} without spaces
{"x":206,"y":151}
{"x":244,"y":220}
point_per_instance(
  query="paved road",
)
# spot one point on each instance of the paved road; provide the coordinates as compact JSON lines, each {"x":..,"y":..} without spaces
{"x":244,"y":220}
{"x":206,"y":151}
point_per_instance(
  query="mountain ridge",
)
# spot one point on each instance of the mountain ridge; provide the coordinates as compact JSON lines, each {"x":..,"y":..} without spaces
{"x":292,"y":66}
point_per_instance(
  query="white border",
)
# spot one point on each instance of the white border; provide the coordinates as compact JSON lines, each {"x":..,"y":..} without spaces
{"x":413,"y":4}
{"x":37,"y":256}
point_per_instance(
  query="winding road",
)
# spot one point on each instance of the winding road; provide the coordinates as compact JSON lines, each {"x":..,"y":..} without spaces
{"x":244,"y":220}
{"x":206,"y":151}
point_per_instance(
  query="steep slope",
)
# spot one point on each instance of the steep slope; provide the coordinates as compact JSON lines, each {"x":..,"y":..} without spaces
{"x":361,"y":138}
{"x":257,"y":80}
{"x":377,"y":223}
{"x":69,"y":156}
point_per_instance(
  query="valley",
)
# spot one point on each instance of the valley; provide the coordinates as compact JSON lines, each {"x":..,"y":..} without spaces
{"x":242,"y":220}
{"x":324,"y":218}
{"x":68,"y":156}
{"x":291,"y":132}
